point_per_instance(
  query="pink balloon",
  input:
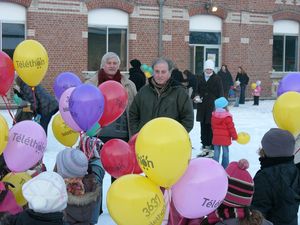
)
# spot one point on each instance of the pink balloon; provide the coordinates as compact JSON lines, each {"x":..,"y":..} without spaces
{"x":201,"y":189}
{"x":65,"y":111}
{"x":26,"y":146}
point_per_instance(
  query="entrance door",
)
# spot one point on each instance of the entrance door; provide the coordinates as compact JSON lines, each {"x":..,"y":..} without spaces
{"x":199,"y":54}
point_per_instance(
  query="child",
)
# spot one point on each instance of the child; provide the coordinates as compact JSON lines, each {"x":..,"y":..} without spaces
{"x":277,"y":183}
{"x":256,"y":92}
{"x":82,"y":188}
{"x":47,"y":198}
{"x":237,"y":91}
{"x":235,"y":209}
{"x":223,"y":130}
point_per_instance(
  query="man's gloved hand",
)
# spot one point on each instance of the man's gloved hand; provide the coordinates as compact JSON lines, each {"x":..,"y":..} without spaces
{"x":17,"y":99}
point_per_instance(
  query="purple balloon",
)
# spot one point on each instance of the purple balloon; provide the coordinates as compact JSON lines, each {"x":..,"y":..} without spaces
{"x":201,"y":189}
{"x":65,"y":111}
{"x":26,"y":146}
{"x":86,"y":105}
{"x":64,"y":81}
{"x":290,"y":82}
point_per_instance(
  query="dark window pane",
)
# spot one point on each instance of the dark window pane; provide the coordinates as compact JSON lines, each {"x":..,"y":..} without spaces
{"x":199,"y":59}
{"x":291,"y":46}
{"x":12,"y":35}
{"x":96,"y":47}
{"x":213,"y":38}
{"x":278,"y":53}
{"x":117,"y":42}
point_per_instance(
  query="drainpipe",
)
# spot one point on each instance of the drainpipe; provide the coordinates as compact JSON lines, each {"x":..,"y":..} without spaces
{"x":160,"y":33}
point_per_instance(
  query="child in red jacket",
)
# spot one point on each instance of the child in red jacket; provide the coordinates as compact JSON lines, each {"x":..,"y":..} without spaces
{"x":223,"y":130}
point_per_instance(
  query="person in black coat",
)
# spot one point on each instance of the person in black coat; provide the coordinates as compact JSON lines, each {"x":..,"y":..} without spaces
{"x":277,"y":183}
{"x":136,"y":75}
{"x":243,"y":78}
{"x":209,"y":88}
{"x":227,"y":81}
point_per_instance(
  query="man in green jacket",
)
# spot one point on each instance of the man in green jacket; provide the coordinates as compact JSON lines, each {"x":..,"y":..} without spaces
{"x":161,"y":97}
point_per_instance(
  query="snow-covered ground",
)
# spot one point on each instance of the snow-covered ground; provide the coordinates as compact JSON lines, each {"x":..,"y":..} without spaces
{"x":255,"y":120}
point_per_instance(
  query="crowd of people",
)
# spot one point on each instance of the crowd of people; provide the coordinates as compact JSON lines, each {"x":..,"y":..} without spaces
{"x":72,"y":194}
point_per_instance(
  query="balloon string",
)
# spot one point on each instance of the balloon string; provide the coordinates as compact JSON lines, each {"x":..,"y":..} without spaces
{"x":170,"y":210}
{"x":8,"y":107}
{"x":297,"y":151}
{"x":34,"y":99}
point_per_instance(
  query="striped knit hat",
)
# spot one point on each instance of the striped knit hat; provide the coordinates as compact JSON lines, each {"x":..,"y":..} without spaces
{"x":240,"y":185}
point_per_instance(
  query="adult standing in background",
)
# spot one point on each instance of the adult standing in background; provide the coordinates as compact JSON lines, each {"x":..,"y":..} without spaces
{"x":209,"y":88}
{"x":226,"y":78}
{"x":161,"y":97}
{"x":136,"y":75}
{"x":243,"y":78}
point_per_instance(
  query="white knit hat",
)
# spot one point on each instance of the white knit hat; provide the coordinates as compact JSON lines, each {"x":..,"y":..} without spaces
{"x":46,"y":193}
{"x":209,"y":64}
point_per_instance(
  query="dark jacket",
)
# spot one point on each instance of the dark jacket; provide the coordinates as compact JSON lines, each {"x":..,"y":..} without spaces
{"x":227,"y":81}
{"x":209,"y":91}
{"x":29,"y":217}
{"x":235,"y":221}
{"x":136,"y":75}
{"x":174,"y":103}
{"x":277,"y":193}
{"x":243,"y":78}
{"x":42,"y":102}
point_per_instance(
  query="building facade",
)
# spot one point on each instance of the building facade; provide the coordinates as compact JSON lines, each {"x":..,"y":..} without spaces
{"x":260,"y":36}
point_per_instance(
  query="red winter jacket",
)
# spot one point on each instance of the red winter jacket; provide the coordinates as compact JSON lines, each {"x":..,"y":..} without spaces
{"x":223,"y":128}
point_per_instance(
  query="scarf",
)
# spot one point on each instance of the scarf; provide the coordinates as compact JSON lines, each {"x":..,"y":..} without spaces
{"x":266,"y":162}
{"x":102,"y":76}
{"x":75,"y":186}
{"x":160,"y":88}
{"x":224,"y":212}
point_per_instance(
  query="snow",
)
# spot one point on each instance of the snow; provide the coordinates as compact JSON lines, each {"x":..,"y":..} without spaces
{"x":255,"y":120}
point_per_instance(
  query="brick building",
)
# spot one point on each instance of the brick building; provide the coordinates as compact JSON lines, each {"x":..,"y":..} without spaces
{"x":261,"y":36}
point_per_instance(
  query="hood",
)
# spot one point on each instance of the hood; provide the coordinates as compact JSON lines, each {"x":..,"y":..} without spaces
{"x":135,"y":63}
{"x":221,"y":115}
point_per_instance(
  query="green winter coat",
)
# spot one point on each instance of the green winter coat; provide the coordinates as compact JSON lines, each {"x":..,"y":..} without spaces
{"x":174,"y":103}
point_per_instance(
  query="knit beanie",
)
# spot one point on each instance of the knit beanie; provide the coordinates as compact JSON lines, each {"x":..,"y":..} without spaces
{"x":46,"y":193}
{"x":278,"y":143}
{"x":221,"y":102}
{"x":209,"y":64}
{"x":240,"y":185}
{"x":71,"y":163}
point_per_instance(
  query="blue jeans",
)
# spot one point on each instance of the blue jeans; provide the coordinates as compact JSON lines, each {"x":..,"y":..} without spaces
{"x":225,"y":155}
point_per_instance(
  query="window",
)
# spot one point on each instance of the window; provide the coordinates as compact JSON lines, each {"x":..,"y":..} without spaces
{"x":106,"y":39}
{"x":12,"y":35}
{"x":285,"y":46}
{"x":107,"y":33}
{"x":213,"y":38}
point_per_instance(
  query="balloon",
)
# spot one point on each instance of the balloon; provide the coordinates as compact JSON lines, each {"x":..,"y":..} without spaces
{"x":144,"y":67}
{"x":86,"y":105}
{"x":117,"y":158}
{"x":243,"y":138}
{"x":31,"y":62}
{"x":201,"y":189}
{"x":163,"y":150}
{"x":135,"y":200}
{"x":115,"y":101}
{"x":3,"y":133}
{"x":65,"y":111}
{"x":64,"y":81}
{"x":26,"y":146}
{"x":136,"y":169}
{"x":148,"y":75}
{"x":7,"y":73}
{"x":253,"y":86}
{"x":17,"y":179}
{"x":94,"y":130}
{"x":63,"y":133}
{"x":286,"y":112}
{"x":290,"y":82}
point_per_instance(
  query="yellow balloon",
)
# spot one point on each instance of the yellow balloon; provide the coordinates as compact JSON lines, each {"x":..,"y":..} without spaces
{"x":31,"y":62}
{"x":134,"y":200}
{"x":17,"y":179}
{"x":253,"y":86}
{"x":147,"y":74}
{"x":163,"y":150}
{"x":3,"y":134}
{"x":286,"y":112}
{"x":243,"y":138}
{"x":63,"y":133}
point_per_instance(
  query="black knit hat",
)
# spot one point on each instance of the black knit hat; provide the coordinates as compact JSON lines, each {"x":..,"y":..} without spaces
{"x":278,"y":143}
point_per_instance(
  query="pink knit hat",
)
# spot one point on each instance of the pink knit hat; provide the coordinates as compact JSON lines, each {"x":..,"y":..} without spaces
{"x":240,"y":185}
